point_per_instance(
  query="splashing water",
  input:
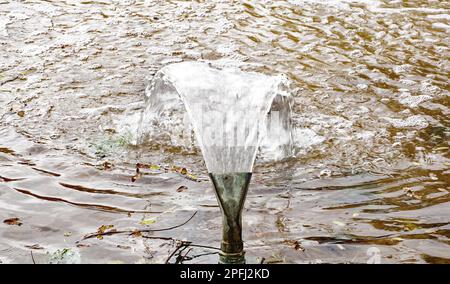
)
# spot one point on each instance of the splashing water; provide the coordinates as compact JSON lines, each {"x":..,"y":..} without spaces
{"x":232,"y":113}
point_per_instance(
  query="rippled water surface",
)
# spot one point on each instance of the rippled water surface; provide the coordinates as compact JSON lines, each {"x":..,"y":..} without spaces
{"x":370,"y":180}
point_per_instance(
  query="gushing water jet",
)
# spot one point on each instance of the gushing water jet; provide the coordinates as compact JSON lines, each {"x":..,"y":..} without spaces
{"x":233,"y":114}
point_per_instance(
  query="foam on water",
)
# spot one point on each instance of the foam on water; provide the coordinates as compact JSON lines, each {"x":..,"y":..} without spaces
{"x":232,"y":114}
{"x":3,"y":23}
{"x":415,"y":121}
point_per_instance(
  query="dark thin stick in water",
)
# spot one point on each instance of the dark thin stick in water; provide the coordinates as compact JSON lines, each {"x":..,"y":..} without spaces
{"x":202,"y":254}
{"x":170,"y":228}
{"x":172,"y":239}
{"x":180,"y":257}
{"x":203,"y":246}
{"x":109,"y":233}
{"x":32,"y":257}
{"x":184,"y":257}
{"x":159,"y":238}
{"x":189,"y":244}
{"x":182,"y":244}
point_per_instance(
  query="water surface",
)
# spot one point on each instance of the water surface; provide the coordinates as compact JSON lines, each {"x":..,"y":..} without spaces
{"x":370,"y":178}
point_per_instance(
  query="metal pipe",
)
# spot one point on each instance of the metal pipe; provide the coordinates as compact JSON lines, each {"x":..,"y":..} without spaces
{"x":231,"y":190}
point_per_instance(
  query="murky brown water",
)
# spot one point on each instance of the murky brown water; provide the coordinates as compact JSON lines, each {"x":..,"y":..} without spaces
{"x":371,"y":177}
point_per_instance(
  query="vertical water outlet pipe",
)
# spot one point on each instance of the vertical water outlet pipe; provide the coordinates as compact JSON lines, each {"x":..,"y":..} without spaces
{"x":231,"y":190}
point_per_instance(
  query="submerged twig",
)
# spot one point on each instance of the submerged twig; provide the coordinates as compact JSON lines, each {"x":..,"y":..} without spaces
{"x":199,"y":255}
{"x":203,"y":246}
{"x":179,"y":246}
{"x":180,"y":257}
{"x":32,"y":257}
{"x":183,"y":245}
{"x":159,"y":238}
{"x":130,"y":232}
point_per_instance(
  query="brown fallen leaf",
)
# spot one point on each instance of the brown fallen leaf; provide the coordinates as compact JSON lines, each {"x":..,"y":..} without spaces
{"x":296,"y":244}
{"x":182,"y":188}
{"x":21,"y":113}
{"x":136,"y":234}
{"x":179,"y":170}
{"x":107,"y":165}
{"x":13,"y":221}
{"x":410,"y":193}
{"x":184,"y":172}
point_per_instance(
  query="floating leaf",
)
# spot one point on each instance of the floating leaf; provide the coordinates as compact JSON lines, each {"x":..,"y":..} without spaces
{"x":147,"y":166}
{"x":6,"y":150}
{"x":67,"y":234}
{"x":139,"y":174}
{"x":13,"y":221}
{"x":107,"y":165}
{"x":296,"y":244}
{"x":136,"y":234}
{"x":179,"y":170}
{"x":102,"y":229}
{"x":184,"y":172}
{"x":192,"y":177}
{"x":411,"y":193}
{"x":147,"y":222}
{"x":21,"y":113}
